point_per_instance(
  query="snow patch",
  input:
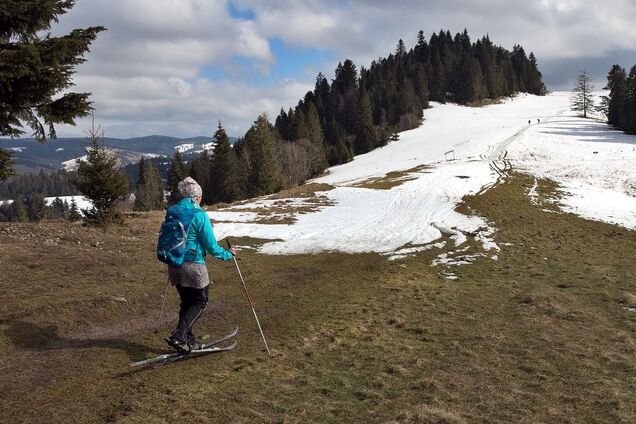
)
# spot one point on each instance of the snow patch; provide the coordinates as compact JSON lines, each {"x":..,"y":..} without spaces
{"x":593,"y":164}
{"x":418,"y":212}
{"x":182,"y":148}
{"x":71,"y":164}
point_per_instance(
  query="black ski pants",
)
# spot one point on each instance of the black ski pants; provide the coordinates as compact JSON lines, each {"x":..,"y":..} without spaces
{"x":193,"y":303}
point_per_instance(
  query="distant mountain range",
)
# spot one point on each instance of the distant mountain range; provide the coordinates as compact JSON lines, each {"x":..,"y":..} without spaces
{"x":31,"y":156}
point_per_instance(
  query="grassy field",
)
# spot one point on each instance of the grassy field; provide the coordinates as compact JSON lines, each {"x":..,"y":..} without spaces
{"x":542,"y":334}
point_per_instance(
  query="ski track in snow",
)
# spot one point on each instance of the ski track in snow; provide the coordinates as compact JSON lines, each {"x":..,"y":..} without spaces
{"x":414,"y":215}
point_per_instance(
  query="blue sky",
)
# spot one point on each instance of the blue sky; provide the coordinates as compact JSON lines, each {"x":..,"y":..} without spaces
{"x":177,"y":67}
{"x":290,"y":62}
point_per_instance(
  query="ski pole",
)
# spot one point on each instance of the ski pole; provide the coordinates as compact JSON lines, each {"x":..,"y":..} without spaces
{"x":163,"y":303}
{"x":249,"y":299}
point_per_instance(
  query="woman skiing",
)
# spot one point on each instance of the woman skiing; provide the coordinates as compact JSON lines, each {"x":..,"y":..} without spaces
{"x":191,"y":279}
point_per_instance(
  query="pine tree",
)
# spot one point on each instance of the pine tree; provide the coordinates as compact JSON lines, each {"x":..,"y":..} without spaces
{"x":317,"y":153}
{"x":19,"y":212}
{"x":629,"y":107}
{"x":365,"y":136}
{"x":400,"y":50}
{"x":321,"y":94}
{"x":58,"y":209}
{"x":6,"y":165}
{"x":36,"y":68}
{"x":35,"y":206}
{"x":74,"y":213}
{"x":177,"y":172}
{"x":225,"y":173}
{"x":437,"y":83}
{"x":149,"y":188}
{"x":298,"y":125}
{"x":200,"y":171}
{"x":616,"y":79}
{"x":101,"y":179}
{"x":582,"y":100}
{"x":265,"y":176}
{"x":346,"y":77}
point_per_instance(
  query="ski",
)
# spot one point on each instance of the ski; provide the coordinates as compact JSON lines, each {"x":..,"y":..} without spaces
{"x":229,"y":335}
{"x":205,"y":348}
{"x":194,"y":354}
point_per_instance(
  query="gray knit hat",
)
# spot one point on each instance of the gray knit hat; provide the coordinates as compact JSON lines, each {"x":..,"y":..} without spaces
{"x":189,"y":188}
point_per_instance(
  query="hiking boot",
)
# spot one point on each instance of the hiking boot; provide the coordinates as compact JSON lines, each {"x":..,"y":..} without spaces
{"x":181,"y":346}
{"x":193,"y":344}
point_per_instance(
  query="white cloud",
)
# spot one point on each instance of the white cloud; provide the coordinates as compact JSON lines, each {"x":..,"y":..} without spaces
{"x":146,"y":73}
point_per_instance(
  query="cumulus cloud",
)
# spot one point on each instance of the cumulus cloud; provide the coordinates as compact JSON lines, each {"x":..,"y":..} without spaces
{"x":147,"y":72}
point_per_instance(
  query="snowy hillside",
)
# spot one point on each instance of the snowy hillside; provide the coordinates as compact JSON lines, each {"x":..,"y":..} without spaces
{"x":457,"y":151}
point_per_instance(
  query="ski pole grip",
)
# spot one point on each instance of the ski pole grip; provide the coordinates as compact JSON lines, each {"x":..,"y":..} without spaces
{"x":229,"y":245}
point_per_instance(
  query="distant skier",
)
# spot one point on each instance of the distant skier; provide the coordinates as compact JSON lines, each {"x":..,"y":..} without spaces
{"x":538,"y":121}
{"x":191,"y":279}
{"x":528,"y":122}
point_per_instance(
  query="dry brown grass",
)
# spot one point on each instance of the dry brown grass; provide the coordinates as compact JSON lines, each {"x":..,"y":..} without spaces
{"x":392,"y":179}
{"x":540,"y":335}
{"x":283,"y":210}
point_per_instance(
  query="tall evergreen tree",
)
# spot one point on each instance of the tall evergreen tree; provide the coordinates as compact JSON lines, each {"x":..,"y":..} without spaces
{"x":616,"y":80}
{"x":629,"y":107}
{"x":6,"y":165}
{"x":101,"y":179}
{"x":19,"y":211}
{"x":149,"y":188}
{"x":177,"y":172}
{"x":58,"y":209}
{"x":200,"y":171}
{"x":74,"y":213}
{"x":400,"y":50}
{"x":317,"y":152}
{"x":346,"y":77}
{"x":582,"y":100}
{"x":36,"y":69}
{"x":437,"y":85}
{"x":35,"y":206}
{"x":365,"y":136}
{"x":265,"y":177}
{"x":225,"y":175}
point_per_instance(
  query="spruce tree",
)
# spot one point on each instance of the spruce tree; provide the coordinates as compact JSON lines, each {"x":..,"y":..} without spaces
{"x":35,"y":206}
{"x":265,"y":177}
{"x":200,"y":171}
{"x":149,"y":188}
{"x":36,"y":68}
{"x":101,"y":179}
{"x":225,"y":173}
{"x":437,"y":84}
{"x":6,"y":165}
{"x":582,"y":100}
{"x":317,"y":152}
{"x":74,"y":213}
{"x":629,"y":107}
{"x":177,"y":172}
{"x":400,"y":50}
{"x":365,"y":136}
{"x":58,"y":209}
{"x":19,"y":212}
{"x":616,"y":85}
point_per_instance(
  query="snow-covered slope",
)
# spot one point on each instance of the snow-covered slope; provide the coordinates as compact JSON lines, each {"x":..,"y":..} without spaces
{"x":413,"y":215}
{"x":594,"y":164}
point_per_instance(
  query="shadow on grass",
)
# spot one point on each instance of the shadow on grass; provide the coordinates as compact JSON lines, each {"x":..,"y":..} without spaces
{"x":28,"y":336}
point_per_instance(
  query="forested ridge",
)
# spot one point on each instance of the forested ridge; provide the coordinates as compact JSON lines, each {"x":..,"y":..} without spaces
{"x":360,"y":110}
{"x":363,"y":109}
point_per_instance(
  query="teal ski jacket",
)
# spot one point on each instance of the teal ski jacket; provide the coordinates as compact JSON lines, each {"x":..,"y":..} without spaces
{"x":201,"y":238}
